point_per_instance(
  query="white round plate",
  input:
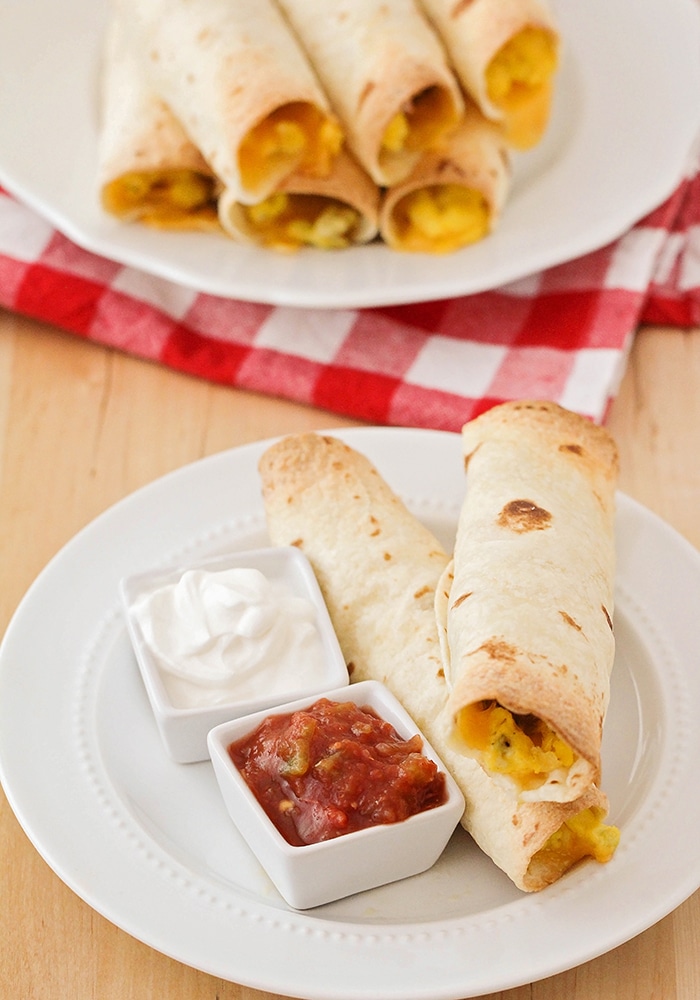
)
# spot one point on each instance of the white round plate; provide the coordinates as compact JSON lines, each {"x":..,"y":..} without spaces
{"x":148,"y":842}
{"x":625,"y":115}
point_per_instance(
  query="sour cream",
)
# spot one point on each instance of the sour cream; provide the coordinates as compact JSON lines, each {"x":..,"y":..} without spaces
{"x":228,"y":636}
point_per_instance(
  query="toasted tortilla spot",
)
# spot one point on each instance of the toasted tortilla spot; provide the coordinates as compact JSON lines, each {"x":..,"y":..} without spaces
{"x":460,"y":7}
{"x":499,"y":650}
{"x":570,"y":621}
{"x":460,"y":599}
{"x":524,"y":515}
{"x":366,"y":91}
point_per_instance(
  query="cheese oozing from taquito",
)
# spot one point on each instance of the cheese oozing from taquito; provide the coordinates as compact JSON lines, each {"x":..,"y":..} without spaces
{"x":525,"y":608}
{"x":329,"y":213}
{"x":378,"y":567}
{"x":506,"y":54}
{"x":149,"y":171}
{"x":386,"y":75}
{"x":455,"y":194}
{"x":240,"y":83}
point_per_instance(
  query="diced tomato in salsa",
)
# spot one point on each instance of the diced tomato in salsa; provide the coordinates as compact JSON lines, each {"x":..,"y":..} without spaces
{"x":333,"y":768}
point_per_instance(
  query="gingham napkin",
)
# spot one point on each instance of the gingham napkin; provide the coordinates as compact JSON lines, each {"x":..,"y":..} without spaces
{"x":563,"y":334}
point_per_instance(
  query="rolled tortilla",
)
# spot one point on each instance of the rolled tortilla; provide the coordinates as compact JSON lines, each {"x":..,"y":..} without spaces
{"x":148,"y":169}
{"x":505,"y":53}
{"x":386,"y":75}
{"x":330,"y":212}
{"x":455,"y":194}
{"x":237,"y":79}
{"x":378,"y":568}
{"x":526,"y":607}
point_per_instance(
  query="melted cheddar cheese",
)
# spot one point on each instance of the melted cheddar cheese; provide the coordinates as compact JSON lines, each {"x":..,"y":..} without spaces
{"x":418,"y":126}
{"x":522,"y":747}
{"x":440,"y":218}
{"x":289,"y":221}
{"x":295,"y":136}
{"x":519,"y":82}
{"x":164,"y":199}
{"x":396,"y":134}
{"x":584,"y":835}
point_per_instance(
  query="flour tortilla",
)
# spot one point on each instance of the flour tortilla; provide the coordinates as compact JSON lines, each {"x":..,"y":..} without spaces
{"x":347,"y":186}
{"x":475,"y":30}
{"x":473,"y":158}
{"x":143,"y":148}
{"x":526,"y":607}
{"x":375,"y":58}
{"x":378,"y":568}
{"x":224,"y":68}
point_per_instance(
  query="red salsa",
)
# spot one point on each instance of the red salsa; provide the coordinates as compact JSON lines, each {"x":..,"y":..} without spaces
{"x":333,"y":768}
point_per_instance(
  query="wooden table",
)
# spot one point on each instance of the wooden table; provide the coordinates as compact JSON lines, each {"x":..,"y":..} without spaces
{"x":81,"y":427}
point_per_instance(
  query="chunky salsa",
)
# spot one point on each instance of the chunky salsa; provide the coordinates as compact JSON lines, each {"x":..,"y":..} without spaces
{"x":333,"y":768}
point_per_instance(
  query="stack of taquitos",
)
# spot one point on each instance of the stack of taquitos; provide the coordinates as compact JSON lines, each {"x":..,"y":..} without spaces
{"x":230,"y":80}
{"x":379,"y":568}
{"x":249,"y":105}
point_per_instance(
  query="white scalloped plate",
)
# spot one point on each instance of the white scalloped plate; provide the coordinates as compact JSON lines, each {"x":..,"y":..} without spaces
{"x":148,"y":843}
{"x":625,"y":115}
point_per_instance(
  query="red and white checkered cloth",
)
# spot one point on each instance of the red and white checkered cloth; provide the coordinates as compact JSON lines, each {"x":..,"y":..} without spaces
{"x":563,"y":334}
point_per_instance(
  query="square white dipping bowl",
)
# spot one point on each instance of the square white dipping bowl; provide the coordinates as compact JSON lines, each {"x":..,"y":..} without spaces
{"x":183,"y":730}
{"x":313,"y":874}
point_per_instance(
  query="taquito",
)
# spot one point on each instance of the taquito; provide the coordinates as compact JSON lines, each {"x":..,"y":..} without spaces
{"x":454,"y":195}
{"x":378,"y":568}
{"x":242,"y":87}
{"x":331,"y":212}
{"x":148,"y":169}
{"x":505,"y":53}
{"x":386,"y":75}
{"x":526,"y":606}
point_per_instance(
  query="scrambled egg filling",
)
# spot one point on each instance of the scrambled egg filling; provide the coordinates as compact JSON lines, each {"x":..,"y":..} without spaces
{"x":165,"y":199}
{"x":519,"y":82}
{"x":288,"y":221}
{"x":440,"y":218}
{"x":396,"y":134}
{"x":522,"y":747}
{"x":296,"y":136}
{"x":584,"y":835}
{"x":417,"y":127}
